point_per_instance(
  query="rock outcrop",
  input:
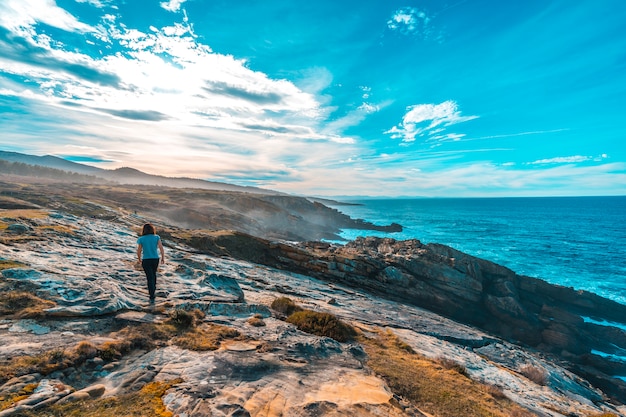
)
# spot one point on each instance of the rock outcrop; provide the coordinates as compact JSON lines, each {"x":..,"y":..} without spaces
{"x":584,"y":330}
{"x":439,"y":302}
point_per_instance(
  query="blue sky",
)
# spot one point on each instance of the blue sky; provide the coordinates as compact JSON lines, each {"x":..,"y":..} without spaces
{"x":376,"y":98}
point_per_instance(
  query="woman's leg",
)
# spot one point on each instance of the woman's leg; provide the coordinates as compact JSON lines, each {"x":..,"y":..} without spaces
{"x":150,"y":267}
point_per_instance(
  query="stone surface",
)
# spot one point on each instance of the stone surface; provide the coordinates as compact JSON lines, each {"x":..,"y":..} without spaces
{"x":276,"y":369}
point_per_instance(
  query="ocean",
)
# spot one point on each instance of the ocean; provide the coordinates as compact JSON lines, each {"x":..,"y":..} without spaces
{"x":577,"y":242}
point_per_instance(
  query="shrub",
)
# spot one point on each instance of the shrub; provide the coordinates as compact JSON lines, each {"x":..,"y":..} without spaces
{"x":114,"y":349}
{"x":495,"y":391}
{"x":184,"y":319}
{"x":537,"y":375}
{"x":453,"y":365}
{"x":322,"y":324}
{"x":86,"y":350}
{"x":256,"y":321}
{"x":285,"y":306}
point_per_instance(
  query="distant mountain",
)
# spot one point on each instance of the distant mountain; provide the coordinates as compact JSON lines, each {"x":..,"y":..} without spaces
{"x":50,"y":161}
{"x":126,"y":175}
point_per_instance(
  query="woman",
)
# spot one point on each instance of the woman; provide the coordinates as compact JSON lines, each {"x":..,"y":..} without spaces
{"x":147,"y":253}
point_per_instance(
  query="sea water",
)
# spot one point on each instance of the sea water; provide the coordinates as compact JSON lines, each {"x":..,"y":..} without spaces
{"x":577,"y":242}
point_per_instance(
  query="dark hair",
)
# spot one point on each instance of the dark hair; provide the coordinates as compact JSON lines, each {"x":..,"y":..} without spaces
{"x":148,"y":229}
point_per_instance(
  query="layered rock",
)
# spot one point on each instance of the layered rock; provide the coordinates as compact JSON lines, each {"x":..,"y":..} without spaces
{"x":582,"y":328}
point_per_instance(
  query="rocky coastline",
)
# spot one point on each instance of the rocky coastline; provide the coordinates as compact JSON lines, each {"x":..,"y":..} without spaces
{"x":523,"y":347}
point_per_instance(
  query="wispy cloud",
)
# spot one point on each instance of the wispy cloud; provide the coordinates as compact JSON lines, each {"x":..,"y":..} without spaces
{"x":408,"y":20}
{"x":411,"y":21}
{"x":98,"y":3}
{"x":197,"y":112}
{"x":172,"y":5}
{"x":429,"y":120}
{"x":568,"y":159}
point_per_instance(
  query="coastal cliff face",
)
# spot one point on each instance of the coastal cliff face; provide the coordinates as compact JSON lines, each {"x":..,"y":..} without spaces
{"x":579,"y":327}
{"x":520,"y":346}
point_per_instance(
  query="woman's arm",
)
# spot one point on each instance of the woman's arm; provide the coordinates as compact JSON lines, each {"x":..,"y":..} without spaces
{"x":139,"y":250}
{"x":160,"y":245}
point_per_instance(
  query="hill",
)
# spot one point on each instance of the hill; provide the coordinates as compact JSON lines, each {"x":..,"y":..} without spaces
{"x":124,"y":175}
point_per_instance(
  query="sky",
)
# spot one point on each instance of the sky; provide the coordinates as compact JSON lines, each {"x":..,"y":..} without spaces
{"x":459,"y":98}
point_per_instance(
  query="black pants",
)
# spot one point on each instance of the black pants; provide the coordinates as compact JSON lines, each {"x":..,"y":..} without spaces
{"x":150,"y":267}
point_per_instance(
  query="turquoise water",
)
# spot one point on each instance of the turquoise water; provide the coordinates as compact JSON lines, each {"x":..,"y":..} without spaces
{"x":578,"y":242}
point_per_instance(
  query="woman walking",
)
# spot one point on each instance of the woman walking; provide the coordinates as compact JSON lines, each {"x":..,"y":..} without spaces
{"x":148,"y":247}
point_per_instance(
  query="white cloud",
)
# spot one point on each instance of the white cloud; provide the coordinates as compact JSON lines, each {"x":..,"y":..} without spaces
{"x":411,"y":21}
{"x":562,"y":160}
{"x":408,"y":20}
{"x":20,"y":15}
{"x":172,"y":5}
{"x":200,"y":113}
{"x":429,"y":119}
{"x":100,"y":4}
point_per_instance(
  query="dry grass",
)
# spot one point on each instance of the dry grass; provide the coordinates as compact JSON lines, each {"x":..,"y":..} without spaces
{"x":23,"y":214}
{"x":43,"y":363}
{"x":205,"y":337}
{"x":430,"y":386}
{"x":147,"y":402}
{"x":285,"y":306}
{"x":453,"y":365}
{"x":23,"y":304}
{"x":143,"y":336}
{"x":322,"y":324}
{"x":184,"y":320}
{"x":256,"y":321}
{"x":537,"y":375}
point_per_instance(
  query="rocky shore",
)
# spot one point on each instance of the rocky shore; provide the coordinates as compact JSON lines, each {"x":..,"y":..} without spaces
{"x":518,"y":346}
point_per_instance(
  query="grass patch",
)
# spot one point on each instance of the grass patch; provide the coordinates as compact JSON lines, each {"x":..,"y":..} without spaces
{"x":314,"y":322}
{"x":146,"y":402}
{"x":43,"y":363}
{"x":430,"y":386}
{"x":206,"y":337}
{"x":185,"y":320}
{"x":23,"y":214}
{"x":322,"y":324}
{"x":23,"y":304}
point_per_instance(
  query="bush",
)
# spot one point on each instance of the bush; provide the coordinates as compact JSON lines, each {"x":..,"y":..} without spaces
{"x":256,"y":321}
{"x":453,"y":365}
{"x":285,"y":306}
{"x":184,"y":319}
{"x":495,"y":391}
{"x":537,"y":375}
{"x":322,"y":324}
